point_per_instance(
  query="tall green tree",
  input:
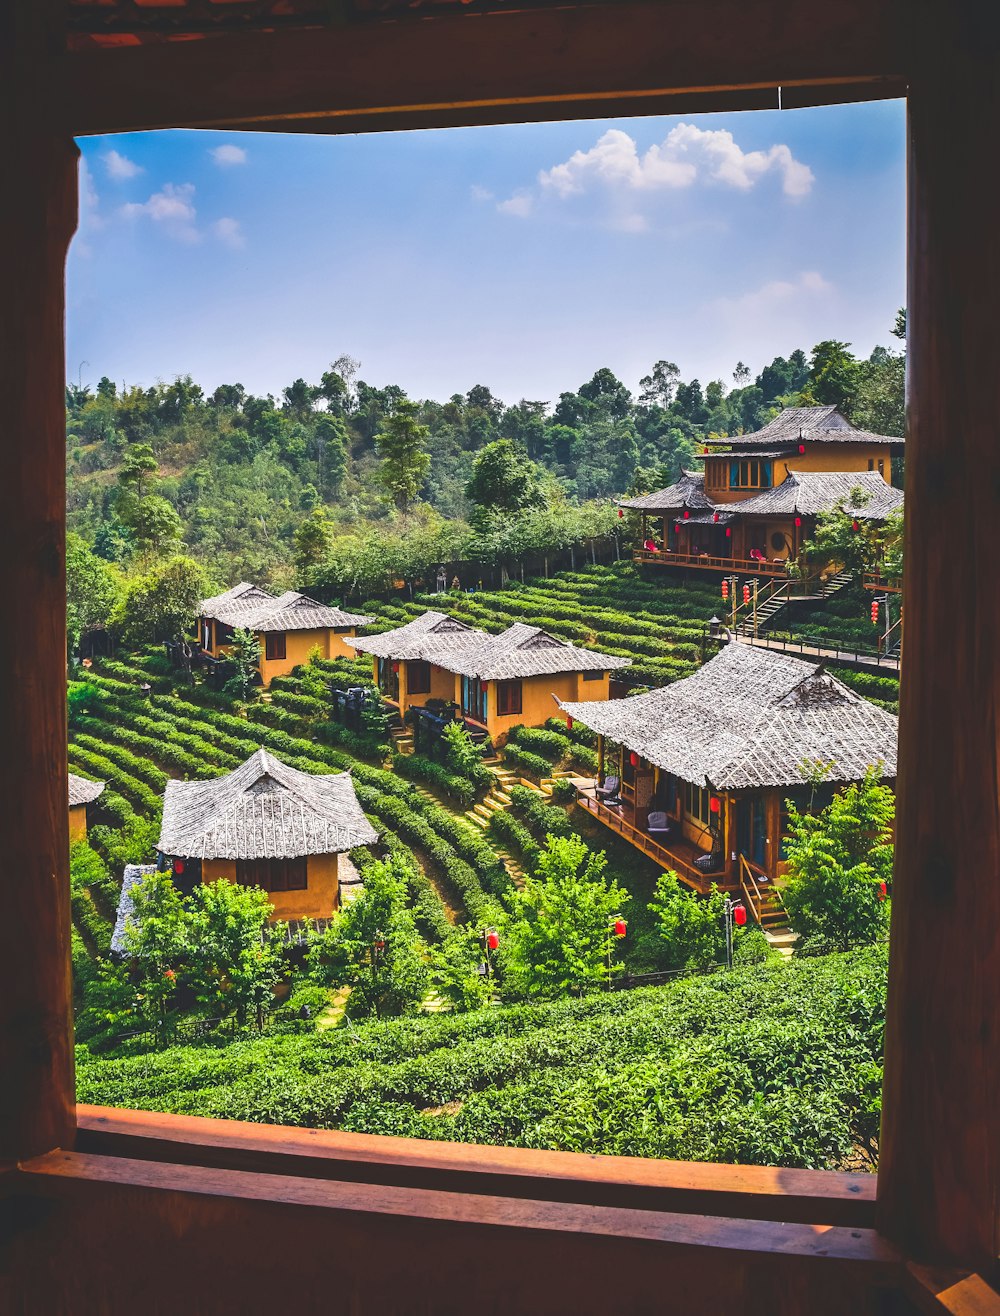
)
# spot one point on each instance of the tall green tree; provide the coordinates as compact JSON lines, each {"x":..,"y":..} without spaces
{"x":93,"y":591}
{"x":692,"y":928}
{"x":840,"y":865}
{"x":161,"y":602}
{"x":503,"y":480}
{"x":558,"y":938}
{"x":833,"y":374}
{"x":156,"y":939}
{"x":401,"y":443}
{"x":235,"y":954}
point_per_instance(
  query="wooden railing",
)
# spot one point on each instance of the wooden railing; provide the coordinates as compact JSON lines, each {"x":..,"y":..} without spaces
{"x":748,"y":566}
{"x":661,"y":854}
{"x":753,"y":894}
{"x":876,"y":581}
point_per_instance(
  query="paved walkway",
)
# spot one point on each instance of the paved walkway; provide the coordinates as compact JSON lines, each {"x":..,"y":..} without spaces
{"x":847,"y":657}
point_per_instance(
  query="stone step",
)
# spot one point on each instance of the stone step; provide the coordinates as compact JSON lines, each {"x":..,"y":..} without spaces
{"x":476,"y":818}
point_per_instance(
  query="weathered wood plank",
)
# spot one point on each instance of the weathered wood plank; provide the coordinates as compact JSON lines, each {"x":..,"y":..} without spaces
{"x":601,"y":59}
{"x":939,"y":1178}
{"x":752,"y":1192}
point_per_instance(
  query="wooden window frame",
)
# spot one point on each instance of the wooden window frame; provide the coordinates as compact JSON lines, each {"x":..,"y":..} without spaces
{"x":756,"y":468}
{"x":421,"y":668}
{"x":939,"y":1181}
{"x":510,"y":698}
{"x":274,"y":874}
{"x":275,"y":646}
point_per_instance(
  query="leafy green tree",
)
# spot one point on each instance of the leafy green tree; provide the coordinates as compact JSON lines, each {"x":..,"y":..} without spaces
{"x":372,"y":946}
{"x":660,"y":385}
{"x":833,"y":374}
{"x":156,"y":939}
{"x":93,"y":591}
{"x":235,"y":955}
{"x":692,"y":927}
{"x":332,"y":443}
{"x":401,"y":445}
{"x":245,"y":656}
{"x":157,"y":527}
{"x":503,"y":480}
{"x":844,"y":540}
{"x":312,"y":539}
{"x":840,"y":864}
{"x":161,"y":602}
{"x":557,"y":940}
{"x":455,"y":970}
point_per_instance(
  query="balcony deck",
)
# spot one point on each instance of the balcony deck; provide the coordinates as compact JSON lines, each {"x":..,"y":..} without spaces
{"x":679,"y":855}
{"x":705,"y":562}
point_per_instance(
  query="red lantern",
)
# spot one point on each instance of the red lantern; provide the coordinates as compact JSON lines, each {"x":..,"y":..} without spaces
{"x":620,"y":513}
{"x":395,"y":667}
{"x":178,"y":865}
{"x":802,"y":448}
{"x":746,"y":594}
{"x":855,"y":525}
{"x":633,"y":759}
{"x":714,"y":804}
{"x":729,"y":532}
{"x":569,"y":724}
{"x":716,"y":517}
{"x":379,"y":945}
{"x":883,"y":890}
{"x":798,"y":521}
{"x":725,"y":589}
{"x":620,"y":927}
{"x":492,"y":940}
{"x":875,"y":613}
{"x":686,"y":514}
{"x":740,"y":915}
{"x":706,"y":449}
{"x":677,"y":527}
{"x":484,"y":685}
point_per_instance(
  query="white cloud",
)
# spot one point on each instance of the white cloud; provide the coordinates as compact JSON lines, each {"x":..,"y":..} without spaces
{"x":777,"y":295}
{"x":120,"y":167}
{"x":520,"y":204}
{"x":228,"y":230}
{"x":228,"y":155}
{"x":687,"y":155}
{"x":172,"y":207}
{"x":480,"y":193}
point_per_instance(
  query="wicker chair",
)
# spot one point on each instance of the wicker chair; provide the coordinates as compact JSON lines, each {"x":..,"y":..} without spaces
{"x":658,"y":823}
{"x":609,"y":791}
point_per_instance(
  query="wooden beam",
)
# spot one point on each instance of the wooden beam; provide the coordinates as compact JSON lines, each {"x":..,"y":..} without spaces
{"x":636,"y":56}
{"x":749,"y":1192}
{"x":36,"y":1026}
{"x":939,"y":1177}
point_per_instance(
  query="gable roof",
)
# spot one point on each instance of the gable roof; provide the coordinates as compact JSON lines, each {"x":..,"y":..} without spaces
{"x":750,"y":718}
{"x":431,"y":637}
{"x":263,"y":810}
{"x":689,"y":492}
{"x":815,"y":424}
{"x":811,"y":492}
{"x":256,"y":609}
{"x":82,"y":790}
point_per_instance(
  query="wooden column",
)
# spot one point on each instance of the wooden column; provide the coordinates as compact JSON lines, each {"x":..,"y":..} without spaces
{"x":939,"y":1177}
{"x":36,"y":1091}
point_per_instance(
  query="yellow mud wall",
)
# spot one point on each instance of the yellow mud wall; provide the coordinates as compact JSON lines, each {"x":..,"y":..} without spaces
{"x":78,"y":823}
{"x":443,"y":686}
{"x":298,"y":646}
{"x":317,"y":900}
{"x":537,"y":704}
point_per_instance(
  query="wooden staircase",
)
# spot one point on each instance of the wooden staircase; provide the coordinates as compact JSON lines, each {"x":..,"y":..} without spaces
{"x":768,"y":909}
{"x":402,"y":739}
{"x":495,"y":801}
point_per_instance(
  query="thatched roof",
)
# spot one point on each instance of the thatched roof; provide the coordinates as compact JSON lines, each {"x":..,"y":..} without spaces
{"x":811,"y":424}
{"x":519,"y":651}
{"x":83,"y":791}
{"x":263,"y":810}
{"x":689,"y":492}
{"x":808,"y":493}
{"x":255,"y":609}
{"x":126,"y":908}
{"x":750,"y":718}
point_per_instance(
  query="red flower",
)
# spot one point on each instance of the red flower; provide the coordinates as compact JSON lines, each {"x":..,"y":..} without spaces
{"x":170,"y":974}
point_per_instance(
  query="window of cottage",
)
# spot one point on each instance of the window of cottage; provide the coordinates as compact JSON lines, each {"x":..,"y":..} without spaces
{"x":273,"y":874}
{"x":418,"y":677}
{"x":274,"y":645}
{"x":749,"y":473}
{"x":509,"y":697}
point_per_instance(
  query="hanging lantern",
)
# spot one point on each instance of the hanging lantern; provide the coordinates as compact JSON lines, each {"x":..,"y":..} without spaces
{"x":740,"y":915}
{"x":798,"y":522}
{"x":633,"y":759}
{"x":492,"y":940}
{"x":725,"y":589}
{"x":484,"y":685}
{"x":620,"y":513}
{"x":883,"y":890}
{"x":178,"y":866}
{"x":802,"y":448}
{"x":729,"y":532}
{"x":395,"y":667}
{"x":706,"y":449}
{"x":875,"y":613}
{"x":746,"y":594}
{"x":715,"y":518}
{"x":569,"y":724}
{"x":855,"y":525}
{"x":620,"y":927}
{"x":677,"y":527}
{"x":686,"y":514}
{"x":379,"y":945}
{"x":714,"y":805}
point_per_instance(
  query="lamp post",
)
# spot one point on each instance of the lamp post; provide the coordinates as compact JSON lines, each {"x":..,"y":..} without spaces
{"x":733,"y":911}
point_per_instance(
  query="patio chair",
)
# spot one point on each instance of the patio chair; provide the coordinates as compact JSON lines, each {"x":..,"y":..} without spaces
{"x":658,"y":823}
{"x":609,"y":791}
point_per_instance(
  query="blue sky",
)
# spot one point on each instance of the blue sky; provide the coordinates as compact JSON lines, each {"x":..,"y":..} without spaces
{"x":522,"y":257}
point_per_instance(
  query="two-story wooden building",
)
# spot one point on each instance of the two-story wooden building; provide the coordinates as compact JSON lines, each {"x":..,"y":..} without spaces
{"x":288,"y":627}
{"x":497,"y":681}
{"x":759,"y":495}
{"x":268,"y":825}
{"x":82,"y":793}
{"x":704,"y":767}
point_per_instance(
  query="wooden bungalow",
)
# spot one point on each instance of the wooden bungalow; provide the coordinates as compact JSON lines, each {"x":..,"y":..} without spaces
{"x":268,"y":825}
{"x":497,"y":682}
{"x":704,"y":767}
{"x":82,"y":793}
{"x":759,"y":495}
{"x":289,"y":627}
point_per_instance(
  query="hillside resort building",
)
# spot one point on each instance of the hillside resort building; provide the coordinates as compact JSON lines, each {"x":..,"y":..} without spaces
{"x":288,"y":627}
{"x":82,"y":793}
{"x":759,"y":495}
{"x":497,"y":681}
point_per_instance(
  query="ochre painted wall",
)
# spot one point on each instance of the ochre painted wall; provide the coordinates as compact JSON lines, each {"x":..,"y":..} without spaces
{"x":318,"y":900}
{"x":537,"y":703}
{"x":298,"y":646}
{"x":817,"y":457}
{"x":78,"y":823}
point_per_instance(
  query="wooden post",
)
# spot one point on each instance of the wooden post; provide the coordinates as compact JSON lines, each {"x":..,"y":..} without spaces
{"x":36,"y":1057}
{"x":600,"y":760}
{"x":939,"y":1176}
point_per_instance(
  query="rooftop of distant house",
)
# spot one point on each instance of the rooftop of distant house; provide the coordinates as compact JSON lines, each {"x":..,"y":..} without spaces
{"x":82,"y":790}
{"x":864,"y":495}
{"x":750,"y":718}
{"x":252,"y":608}
{"x":793,"y":425}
